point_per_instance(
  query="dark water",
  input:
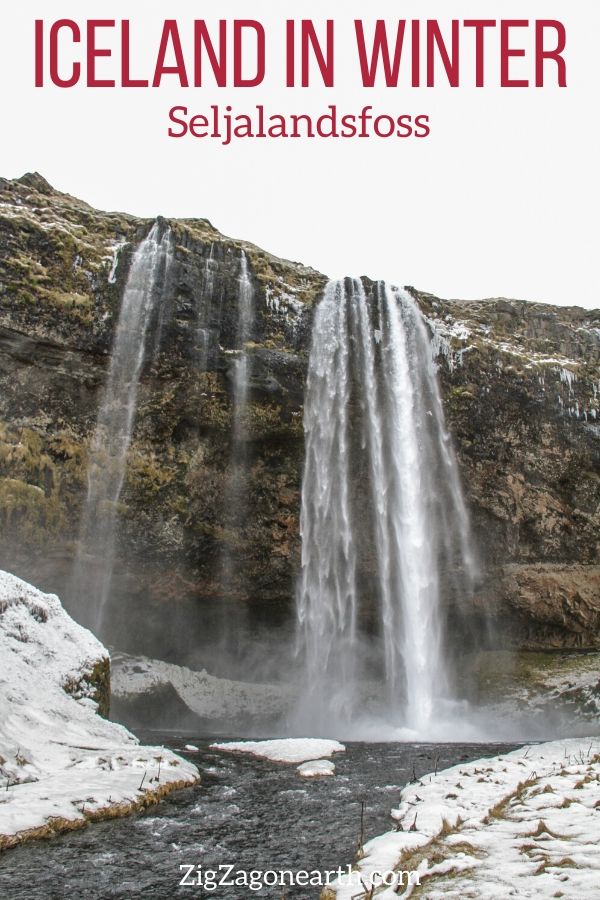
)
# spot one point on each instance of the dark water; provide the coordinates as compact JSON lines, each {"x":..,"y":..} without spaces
{"x":247,"y":812}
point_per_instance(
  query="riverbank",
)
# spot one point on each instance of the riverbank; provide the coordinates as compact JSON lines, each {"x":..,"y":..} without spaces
{"x":61,"y":764}
{"x":254,"y":813}
{"x":521,"y":824}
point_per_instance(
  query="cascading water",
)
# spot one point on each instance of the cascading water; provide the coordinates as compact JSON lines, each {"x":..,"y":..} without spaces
{"x":235,"y":501}
{"x":327,"y":593}
{"x":204,"y":310}
{"x":241,"y":372}
{"x":380,"y":492}
{"x":114,"y":427}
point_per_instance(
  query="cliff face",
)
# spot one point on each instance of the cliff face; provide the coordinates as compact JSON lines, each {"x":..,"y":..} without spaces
{"x":521,"y":396}
{"x":520,"y":384}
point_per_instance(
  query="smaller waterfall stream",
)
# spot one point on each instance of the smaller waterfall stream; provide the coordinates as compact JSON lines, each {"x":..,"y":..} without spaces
{"x":205,"y":310}
{"x":241,"y":372}
{"x":114,"y":427}
{"x":235,"y":494}
{"x":380,"y":493}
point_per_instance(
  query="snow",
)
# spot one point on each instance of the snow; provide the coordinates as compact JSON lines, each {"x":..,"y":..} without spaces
{"x":59,"y":760}
{"x":39,"y":217}
{"x":205,"y":695}
{"x":443,"y":333}
{"x":316,"y":768}
{"x":446,"y":333}
{"x":285,"y":750}
{"x":283,"y":304}
{"x":36,"y":215}
{"x":191,"y":748}
{"x":523,"y":824}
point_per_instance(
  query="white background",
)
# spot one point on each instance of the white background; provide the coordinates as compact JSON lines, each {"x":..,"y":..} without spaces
{"x":501,"y":200}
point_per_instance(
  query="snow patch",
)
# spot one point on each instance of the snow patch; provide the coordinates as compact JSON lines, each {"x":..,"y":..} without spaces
{"x":286,"y":750}
{"x":316,"y":768}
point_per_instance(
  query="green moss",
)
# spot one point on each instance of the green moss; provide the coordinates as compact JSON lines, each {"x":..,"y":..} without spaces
{"x":147,"y":475}
{"x":22,"y":453}
{"x":54,"y":246}
{"x":268,"y":418}
{"x":216,"y":413}
{"x":62,"y":299}
{"x":180,"y":506}
{"x":38,"y":474}
{"x":28,"y":514}
{"x":65,"y":447}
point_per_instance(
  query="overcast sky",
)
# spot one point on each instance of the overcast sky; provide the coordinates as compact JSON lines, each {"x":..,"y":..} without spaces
{"x":501,"y":200}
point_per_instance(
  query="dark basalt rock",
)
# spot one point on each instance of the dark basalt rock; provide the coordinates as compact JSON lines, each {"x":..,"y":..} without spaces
{"x":524,"y":427}
{"x":161,"y":703}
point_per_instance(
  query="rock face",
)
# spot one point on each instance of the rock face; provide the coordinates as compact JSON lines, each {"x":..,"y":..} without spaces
{"x":521,"y":394}
{"x":520,"y":384}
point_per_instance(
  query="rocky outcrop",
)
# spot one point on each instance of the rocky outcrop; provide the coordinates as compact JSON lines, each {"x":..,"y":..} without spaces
{"x":553,"y":605}
{"x":62,"y":765}
{"x":148,"y":690}
{"x":520,"y":384}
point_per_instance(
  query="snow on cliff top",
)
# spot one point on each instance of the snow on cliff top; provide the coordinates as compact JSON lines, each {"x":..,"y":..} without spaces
{"x":59,"y":760}
{"x":523,"y":824}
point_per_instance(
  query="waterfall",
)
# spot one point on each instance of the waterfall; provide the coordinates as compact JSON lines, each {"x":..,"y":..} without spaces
{"x":380,"y":493}
{"x":327,"y":593}
{"x":235,"y":494}
{"x":241,"y":371}
{"x":114,"y":427}
{"x":204,"y":311}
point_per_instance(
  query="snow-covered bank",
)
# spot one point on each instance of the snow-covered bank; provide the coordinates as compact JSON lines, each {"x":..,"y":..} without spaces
{"x":524,"y":824}
{"x":61,"y":764}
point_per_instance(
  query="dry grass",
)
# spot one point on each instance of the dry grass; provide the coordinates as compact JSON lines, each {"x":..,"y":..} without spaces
{"x":542,"y":828}
{"x":565,"y":863}
{"x":499,"y":811}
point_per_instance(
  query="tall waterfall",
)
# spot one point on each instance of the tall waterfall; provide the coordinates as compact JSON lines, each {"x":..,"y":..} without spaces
{"x":380,"y":493}
{"x":114,"y":426}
